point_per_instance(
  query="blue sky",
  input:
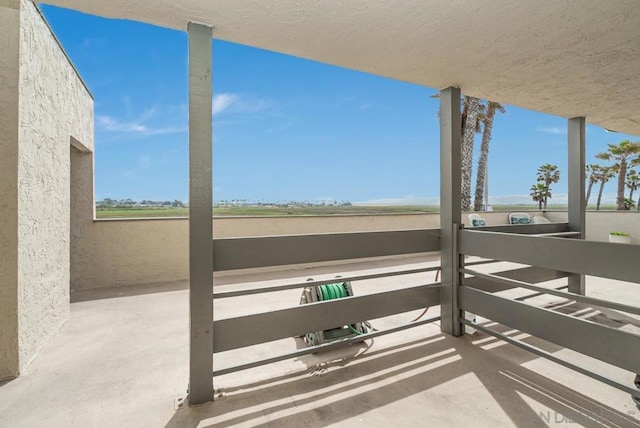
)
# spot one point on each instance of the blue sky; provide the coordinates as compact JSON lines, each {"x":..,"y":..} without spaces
{"x":284,"y":128}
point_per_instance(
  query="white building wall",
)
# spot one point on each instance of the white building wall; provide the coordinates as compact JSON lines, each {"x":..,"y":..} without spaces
{"x":44,"y":106}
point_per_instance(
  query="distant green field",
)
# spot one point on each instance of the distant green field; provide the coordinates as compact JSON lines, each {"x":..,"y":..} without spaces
{"x":259,"y":211}
{"x":136,"y":212}
{"x":141,"y":212}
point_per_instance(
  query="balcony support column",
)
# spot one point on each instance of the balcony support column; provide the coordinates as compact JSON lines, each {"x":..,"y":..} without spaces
{"x":577,"y":203}
{"x":450,"y":208}
{"x":200,"y":214}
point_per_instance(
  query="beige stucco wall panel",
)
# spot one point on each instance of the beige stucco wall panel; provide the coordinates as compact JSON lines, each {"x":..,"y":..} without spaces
{"x":115,"y":253}
{"x":82,"y":205}
{"x":599,"y":224}
{"x":9,"y":48}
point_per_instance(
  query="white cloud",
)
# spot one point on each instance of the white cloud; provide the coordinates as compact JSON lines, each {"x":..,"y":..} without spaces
{"x":240,"y":104}
{"x":143,"y":124}
{"x":111,"y":124}
{"x":554,"y":130}
{"x":222,"y":102}
{"x":138,"y":126}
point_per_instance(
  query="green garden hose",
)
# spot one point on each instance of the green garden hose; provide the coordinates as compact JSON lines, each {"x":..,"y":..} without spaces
{"x":336,"y":291}
{"x":333,"y":291}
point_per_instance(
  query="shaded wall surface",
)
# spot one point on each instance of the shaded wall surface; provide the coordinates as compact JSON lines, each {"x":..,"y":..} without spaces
{"x":9,"y":49}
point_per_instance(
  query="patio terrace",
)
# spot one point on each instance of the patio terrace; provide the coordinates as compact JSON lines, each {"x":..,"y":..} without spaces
{"x":125,"y":355}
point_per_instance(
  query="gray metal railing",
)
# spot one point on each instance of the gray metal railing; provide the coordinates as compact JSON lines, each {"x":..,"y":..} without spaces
{"x":241,"y":253}
{"x":615,"y":261}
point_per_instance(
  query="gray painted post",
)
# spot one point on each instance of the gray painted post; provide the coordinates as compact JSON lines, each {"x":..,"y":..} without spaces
{"x":577,"y":203}
{"x":450,"y":207}
{"x":200,"y":214}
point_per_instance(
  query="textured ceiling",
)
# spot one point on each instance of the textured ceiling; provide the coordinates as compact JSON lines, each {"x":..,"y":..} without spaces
{"x":564,"y":57}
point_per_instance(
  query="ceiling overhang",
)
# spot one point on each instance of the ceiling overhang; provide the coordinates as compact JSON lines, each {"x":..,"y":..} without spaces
{"x":564,"y":57}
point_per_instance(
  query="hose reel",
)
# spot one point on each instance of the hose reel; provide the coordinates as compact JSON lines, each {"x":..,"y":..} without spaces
{"x":323,"y":293}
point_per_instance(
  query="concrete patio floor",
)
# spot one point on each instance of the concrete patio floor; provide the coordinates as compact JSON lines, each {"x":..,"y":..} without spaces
{"x":122,"y":361}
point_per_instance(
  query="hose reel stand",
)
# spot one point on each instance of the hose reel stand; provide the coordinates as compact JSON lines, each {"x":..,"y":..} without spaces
{"x":325,"y":292}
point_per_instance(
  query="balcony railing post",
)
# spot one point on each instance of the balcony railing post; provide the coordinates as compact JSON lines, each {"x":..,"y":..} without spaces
{"x":200,"y":214}
{"x":577,"y":202}
{"x":450,"y":207}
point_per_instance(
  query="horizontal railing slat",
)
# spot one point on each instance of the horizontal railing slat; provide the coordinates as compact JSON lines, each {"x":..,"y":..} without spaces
{"x":243,"y":253}
{"x":513,"y":283}
{"x":530,"y":274}
{"x":526,"y":229}
{"x":238,"y":332}
{"x":604,"y":259}
{"x":598,"y":341}
{"x":359,"y":277}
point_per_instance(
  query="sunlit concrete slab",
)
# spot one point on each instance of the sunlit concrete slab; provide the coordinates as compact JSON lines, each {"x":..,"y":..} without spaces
{"x":122,"y":361}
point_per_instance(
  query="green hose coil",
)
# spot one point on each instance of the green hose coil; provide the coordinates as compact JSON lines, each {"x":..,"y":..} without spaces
{"x":336,"y":291}
{"x":333,"y":291}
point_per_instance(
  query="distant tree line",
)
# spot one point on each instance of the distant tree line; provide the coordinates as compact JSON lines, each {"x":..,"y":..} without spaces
{"x":108,"y":203}
{"x":280,"y":204}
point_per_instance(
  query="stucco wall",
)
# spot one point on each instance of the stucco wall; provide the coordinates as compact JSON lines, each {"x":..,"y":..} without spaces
{"x":82,"y":204}
{"x":9,"y":46}
{"x":115,"y":253}
{"x":54,"y":107}
{"x":599,"y":224}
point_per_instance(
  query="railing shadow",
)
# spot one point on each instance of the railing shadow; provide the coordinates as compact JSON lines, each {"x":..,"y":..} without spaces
{"x":385,"y":376}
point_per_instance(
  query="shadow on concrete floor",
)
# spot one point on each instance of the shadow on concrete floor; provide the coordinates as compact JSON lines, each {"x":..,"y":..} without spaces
{"x":417,"y":378}
{"x":127,"y":291}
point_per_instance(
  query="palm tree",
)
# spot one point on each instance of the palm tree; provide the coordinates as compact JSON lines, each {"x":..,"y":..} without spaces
{"x":548,"y":174}
{"x":633,"y":182}
{"x":471,"y":111}
{"x":628,"y":204}
{"x":622,"y":153}
{"x":539,"y":193}
{"x":592,"y":170}
{"x":636,"y":162}
{"x":481,"y":174}
{"x":604,"y":174}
